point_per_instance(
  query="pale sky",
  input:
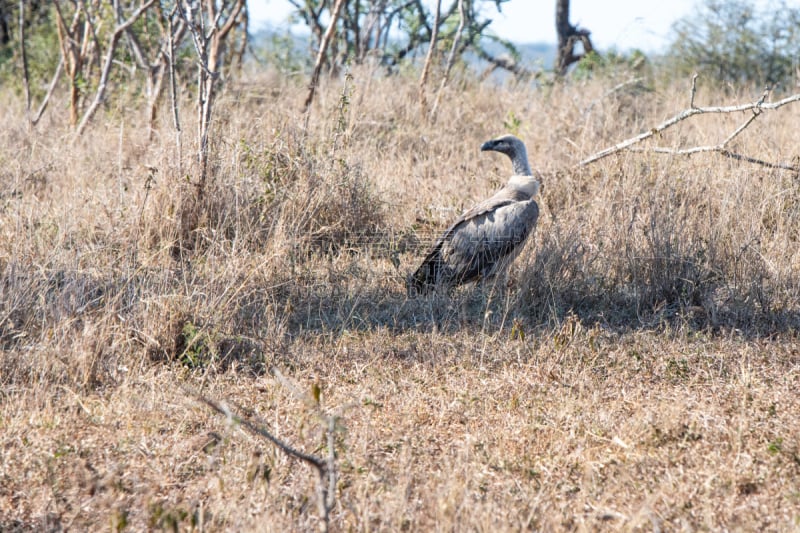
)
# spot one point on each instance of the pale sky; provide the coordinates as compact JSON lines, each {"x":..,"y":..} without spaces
{"x":622,"y":24}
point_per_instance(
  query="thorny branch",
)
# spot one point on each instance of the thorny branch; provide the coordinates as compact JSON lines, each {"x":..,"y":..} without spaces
{"x":756,"y":107}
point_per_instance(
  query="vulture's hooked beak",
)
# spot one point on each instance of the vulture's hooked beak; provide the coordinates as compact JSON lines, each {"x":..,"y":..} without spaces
{"x":488,"y":145}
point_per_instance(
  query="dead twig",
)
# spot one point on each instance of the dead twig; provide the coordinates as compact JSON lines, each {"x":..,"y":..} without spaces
{"x":255,"y":429}
{"x":757,"y":107}
{"x":694,"y":91}
{"x":326,"y":468}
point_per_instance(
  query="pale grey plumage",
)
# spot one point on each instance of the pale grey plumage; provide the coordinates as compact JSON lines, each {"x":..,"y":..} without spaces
{"x":487,"y":238}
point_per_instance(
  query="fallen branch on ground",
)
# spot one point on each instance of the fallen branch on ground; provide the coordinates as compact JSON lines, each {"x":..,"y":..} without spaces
{"x":722,"y":148}
{"x":326,"y":468}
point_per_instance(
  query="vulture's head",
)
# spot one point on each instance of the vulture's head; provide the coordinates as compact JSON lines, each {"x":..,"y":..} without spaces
{"x":513,"y":148}
{"x":507,"y":144}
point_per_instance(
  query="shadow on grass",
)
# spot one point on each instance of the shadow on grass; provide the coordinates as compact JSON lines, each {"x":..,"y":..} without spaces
{"x":676,"y":299}
{"x":177,"y":322}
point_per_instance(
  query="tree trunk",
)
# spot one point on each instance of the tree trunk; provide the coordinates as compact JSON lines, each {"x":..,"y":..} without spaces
{"x":568,"y":37}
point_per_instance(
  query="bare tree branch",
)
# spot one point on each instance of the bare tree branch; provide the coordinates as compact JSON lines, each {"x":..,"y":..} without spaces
{"x":450,"y":59}
{"x":504,"y":62}
{"x":112,"y":45}
{"x":323,"y":48}
{"x":223,"y":409}
{"x":242,"y":48}
{"x":209,"y":46}
{"x":50,"y":89}
{"x":756,"y":107}
{"x":174,"y":84}
{"x":230,"y":22}
{"x":423,"y":79}
{"x":25,"y":79}
{"x":723,"y":152}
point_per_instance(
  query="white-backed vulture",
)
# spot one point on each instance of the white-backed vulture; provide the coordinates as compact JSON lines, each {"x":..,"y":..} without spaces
{"x":484,"y":241}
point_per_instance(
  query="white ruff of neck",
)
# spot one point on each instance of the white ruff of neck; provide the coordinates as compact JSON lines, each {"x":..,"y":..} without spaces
{"x":525,"y":184}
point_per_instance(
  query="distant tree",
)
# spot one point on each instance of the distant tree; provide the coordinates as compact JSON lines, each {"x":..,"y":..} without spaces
{"x":101,"y":48}
{"x":392,"y":30}
{"x":734,"y":42}
{"x":568,"y":37}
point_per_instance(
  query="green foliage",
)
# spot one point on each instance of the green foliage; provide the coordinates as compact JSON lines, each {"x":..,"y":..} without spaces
{"x":734,"y":42}
{"x":677,"y":369}
{"x":199,"y":347}
{"x":42,"y":49}
{"x":609,"y":63}
{"x":775,"y":447}
{"x":512,"y":123}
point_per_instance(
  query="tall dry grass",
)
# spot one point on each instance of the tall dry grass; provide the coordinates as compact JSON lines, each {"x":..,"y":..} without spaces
{"x":640,"y":371}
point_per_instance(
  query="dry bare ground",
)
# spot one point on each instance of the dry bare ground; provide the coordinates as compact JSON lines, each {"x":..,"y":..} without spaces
{"x":639,"y":373}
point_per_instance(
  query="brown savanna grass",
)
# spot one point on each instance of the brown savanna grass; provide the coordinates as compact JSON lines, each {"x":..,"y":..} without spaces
{"x":640,"y":371}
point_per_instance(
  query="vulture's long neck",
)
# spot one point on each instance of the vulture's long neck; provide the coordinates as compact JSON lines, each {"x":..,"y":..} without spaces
{"x":520,"y":163}
{"x":523,"y":179}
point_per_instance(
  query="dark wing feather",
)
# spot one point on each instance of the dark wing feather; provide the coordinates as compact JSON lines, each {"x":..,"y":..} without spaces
{"x":475,"y":244}
{"x":486,"y":244}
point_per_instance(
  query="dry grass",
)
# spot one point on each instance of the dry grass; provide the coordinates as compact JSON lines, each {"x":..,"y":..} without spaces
{"x":654,"y":386}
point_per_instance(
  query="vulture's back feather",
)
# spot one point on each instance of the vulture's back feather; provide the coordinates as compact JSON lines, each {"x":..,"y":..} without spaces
{"x":480,"y":243}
